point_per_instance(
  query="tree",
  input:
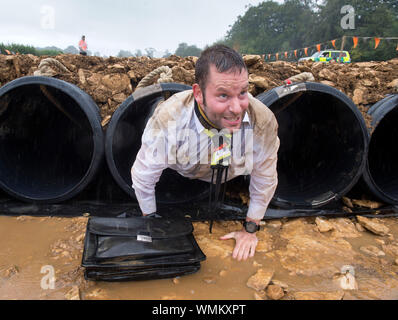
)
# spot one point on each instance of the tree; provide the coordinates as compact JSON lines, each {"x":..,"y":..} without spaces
{"x":184,"y":50}
{"x":71,"y":50}
{"x":124,"y":54}
{"x":150,"y":52}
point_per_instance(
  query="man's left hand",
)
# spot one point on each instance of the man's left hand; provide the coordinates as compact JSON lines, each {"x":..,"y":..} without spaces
{"x":245,"y":245}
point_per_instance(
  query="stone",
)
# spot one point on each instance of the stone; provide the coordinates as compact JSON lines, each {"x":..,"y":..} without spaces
{"x":391,"y":249}
{"x":82,"y":78}
{"x":9,"y":272}
{"x":209,"y":280}
{"x":116,"y":82}
{"x":327,"y":74}
{"x":359,"y":227}
{"x":344,"y":228}
{"x":314,"y":295}
{"x":275,"y":292}
{"x":73,"y":294}
{"x":323,"y":225}
{"x":367,"y":203}
{"x":260,"y":280}
{"x":176,"y":280}
{"x":359,"y":96}
{"x":347,"y":202}
{"x":251,"y":59}
{"x":222,"y":273}
{"x":260,"y":82}
{"x":373,"y":226}
{"x":260,"y":295}
{"x":372,"y":251}
{"x":328,"y":83}
{"x":281,"y":284}
{"x":277,"y":224}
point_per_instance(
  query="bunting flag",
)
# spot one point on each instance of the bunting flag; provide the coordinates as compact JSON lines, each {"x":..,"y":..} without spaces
{"x":286,"y":54}
{"x":377,"y":41}
{"x":276,"y":55}
{"x":306,"y":51}
{"x":295,"y":52}
{"x":334,"y":43}
{"x":269,"y":56}
{"x":318,"y":47}
{"x":397,"y":47}
{"x":355,"y":40}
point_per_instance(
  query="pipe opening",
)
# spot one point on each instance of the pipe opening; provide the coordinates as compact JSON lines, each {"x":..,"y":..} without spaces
{"x":322,"y":148}
{"x":383,"y":156}
{"x":46,"y":142}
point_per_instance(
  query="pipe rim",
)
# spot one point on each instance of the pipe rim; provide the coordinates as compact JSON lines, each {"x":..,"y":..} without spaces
{"x":271,"y":96}
{"x":77,"y":95}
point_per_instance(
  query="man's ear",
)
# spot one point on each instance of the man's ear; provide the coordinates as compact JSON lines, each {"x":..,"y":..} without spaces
{"x":197,"y":93}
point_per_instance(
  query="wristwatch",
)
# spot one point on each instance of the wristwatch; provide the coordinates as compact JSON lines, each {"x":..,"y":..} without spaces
{"x":251,"y":227}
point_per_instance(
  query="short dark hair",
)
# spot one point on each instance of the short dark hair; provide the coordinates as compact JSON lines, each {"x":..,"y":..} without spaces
{"x":222,"y":57}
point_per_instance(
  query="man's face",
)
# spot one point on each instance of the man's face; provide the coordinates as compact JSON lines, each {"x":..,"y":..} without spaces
{"x":225,"y":99}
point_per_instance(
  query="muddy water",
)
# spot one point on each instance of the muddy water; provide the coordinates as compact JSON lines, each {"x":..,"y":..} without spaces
{"x":302,"y":260}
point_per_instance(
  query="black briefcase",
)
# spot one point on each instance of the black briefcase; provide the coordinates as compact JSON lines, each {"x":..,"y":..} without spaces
{"x":139,"y":248}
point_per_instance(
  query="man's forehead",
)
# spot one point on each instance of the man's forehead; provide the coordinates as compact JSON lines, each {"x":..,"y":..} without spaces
{"x":233,"y":76}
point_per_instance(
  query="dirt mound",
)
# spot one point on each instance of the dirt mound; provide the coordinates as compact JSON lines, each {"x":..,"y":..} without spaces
{"x":110,"y":81}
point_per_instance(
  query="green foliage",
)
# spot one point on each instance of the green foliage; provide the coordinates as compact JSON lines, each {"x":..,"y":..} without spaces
{"x":184,"y":50}
{"x":24,"y":49}
{"x":272,"y":27}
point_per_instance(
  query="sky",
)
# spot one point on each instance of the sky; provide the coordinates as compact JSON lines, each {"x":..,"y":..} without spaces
{"x":112,"y":25}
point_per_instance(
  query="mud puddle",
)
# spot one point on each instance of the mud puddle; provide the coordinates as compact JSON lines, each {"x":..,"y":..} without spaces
{"x":295,"y":259}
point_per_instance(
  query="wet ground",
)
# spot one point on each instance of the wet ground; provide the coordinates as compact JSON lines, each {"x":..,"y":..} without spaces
{"x":303,"y":258}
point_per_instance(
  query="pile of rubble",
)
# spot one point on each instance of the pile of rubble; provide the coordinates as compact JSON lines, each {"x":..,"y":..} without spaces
{"x":110,"y":81}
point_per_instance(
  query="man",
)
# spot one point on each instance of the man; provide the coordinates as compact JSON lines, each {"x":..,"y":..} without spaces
{"x":83,"y":46}
{"x":219,"y":100}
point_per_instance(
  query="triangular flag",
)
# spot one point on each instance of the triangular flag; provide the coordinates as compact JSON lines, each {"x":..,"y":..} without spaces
{"x":318,"y":47}
{"x":286,"y":54}
{"x":334,"y":43}
{"x":276,"y":55}
{"x":355,"y":39}
{"x":295,"y":53}
{"x":397,"y":47}
{"x":377,"y":41}
{"x":306,"y":51}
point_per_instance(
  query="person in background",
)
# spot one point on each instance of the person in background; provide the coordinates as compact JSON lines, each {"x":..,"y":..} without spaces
{"x":83,"y":46}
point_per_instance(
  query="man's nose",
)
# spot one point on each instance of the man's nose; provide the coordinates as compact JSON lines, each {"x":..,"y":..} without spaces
{"x":235,"y":106}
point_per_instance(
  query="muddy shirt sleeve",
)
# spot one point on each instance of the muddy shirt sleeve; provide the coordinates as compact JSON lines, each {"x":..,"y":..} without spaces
{"x":264,"y":177}
{"x":149,"y":164}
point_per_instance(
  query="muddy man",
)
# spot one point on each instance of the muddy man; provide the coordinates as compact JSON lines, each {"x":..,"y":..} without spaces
{"x":216,"y":130}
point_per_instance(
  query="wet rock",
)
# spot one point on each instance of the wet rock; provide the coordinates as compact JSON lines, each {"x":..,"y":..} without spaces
{"x":344,"y":228}
{"x":176,"y":280}
{"x":256,"y":264}
{"x":97,"y":294}
{"x":373,"y":225}
{"x":359,"y":227}
{"x":347,"y":202}
{"x":260,"y":280}
{"x":276,"y":224}
{"x":9,"y":272}
{"x":323,"y":225}
{"x":281,"y":284}
{"x":367,"y":203}
{"x":372,"y":251}
{"x":260,"y":295}
{"x":209,"y":280}
{"x":332,"y":295}
{"x":73,"y":294}
{"x":275,"y":292}
{"x":222,"y":273}
{"x":391,"y":250}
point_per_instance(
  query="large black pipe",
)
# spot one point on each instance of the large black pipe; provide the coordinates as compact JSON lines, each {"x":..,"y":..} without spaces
{"x":51,"y":139}
{"x":123,"y":141}
{"x":323,"y":144}
{"x":381,"y":170}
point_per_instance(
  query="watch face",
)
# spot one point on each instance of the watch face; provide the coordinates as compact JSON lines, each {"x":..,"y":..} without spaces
{"x":250,"y":227}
